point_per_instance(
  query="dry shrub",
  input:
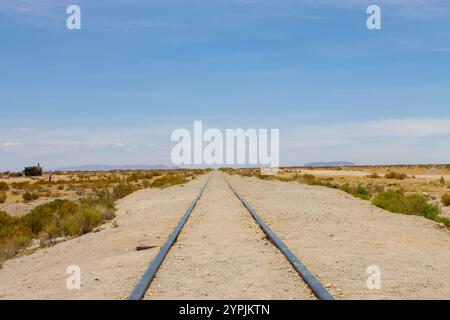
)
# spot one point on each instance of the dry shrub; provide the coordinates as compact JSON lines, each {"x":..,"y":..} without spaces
{"x":4,"y":186}
{"x":395,"y":175}
{"x":27,"y":196}
{"x":446,"y":199}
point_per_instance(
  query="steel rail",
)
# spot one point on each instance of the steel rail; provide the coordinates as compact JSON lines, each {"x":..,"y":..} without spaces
{"x":316,"y":287}
{"x":140,"y":289}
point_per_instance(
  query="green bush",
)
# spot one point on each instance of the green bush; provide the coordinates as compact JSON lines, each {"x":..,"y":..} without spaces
{"x":346,"y":188}
{"x":43,"y":216}
{"x":13,"y":235}
{"x":122,"y":190}
{"x":446,"y":199}
{"x":414,"y":204}
{"x":4,"y":186}
{"x":360,"y":191}
{"x":88,"y":217}
{"x":445,"y":221}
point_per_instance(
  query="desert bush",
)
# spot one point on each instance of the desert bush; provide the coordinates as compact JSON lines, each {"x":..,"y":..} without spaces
{"x":310,"y":180}
{"x":442,"y":181}
{"x":44,"y":216}
{"x":446,"y":199}
{"x":122,"y":190}
{"x":444,"y":220}
{"x":360,"y":191}
{"x":21,"y":185}
{"x":374,"y":176}
{"x":2,"y":197}
{"x":88,"y":217}
{"x":167,"y":181}
{"x":414,"y":204}
{"x":102,"y":198}
{"x":63,"y":218}
{"x":4,"y":186}
{"x":395,"y":175}
{"x":27,"y":196}
{"x":346,"y":188}
{"x":13,"y":235}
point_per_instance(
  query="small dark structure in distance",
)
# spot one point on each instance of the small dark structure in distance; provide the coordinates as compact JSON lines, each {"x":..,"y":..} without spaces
{"x":35,"y":171}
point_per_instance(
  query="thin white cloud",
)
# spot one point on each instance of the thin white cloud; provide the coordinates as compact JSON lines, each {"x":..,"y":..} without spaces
{"x":10,"y":144}
{"x":22,"y":129}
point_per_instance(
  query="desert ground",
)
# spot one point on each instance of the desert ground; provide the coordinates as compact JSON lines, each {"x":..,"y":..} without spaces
{"x":221,"y":252}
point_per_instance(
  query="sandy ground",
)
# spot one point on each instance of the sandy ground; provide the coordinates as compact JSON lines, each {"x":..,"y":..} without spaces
{"x":222,"y":254}
{"x":110,"y":266}
{"x":338,"y":236}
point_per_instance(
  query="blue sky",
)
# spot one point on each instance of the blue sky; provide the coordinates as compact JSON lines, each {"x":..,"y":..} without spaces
{"x":113,"y":91}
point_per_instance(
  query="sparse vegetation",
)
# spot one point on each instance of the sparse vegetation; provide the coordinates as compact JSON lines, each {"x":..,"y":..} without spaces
{"x":168,"y":180}
{"x":96,"y":195}
{"x":4,"y":186}
{"x":27,"y":196}
{"x":3,"y":197}
{"x":413,"y":204}
{"x":359,"y":191}
{"x":398,"y":199}
{"x":395,"y":175}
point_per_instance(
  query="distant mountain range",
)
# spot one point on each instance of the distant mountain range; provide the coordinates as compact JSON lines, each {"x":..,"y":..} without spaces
{"x":330,"y":164}
{"x":101,"y":167}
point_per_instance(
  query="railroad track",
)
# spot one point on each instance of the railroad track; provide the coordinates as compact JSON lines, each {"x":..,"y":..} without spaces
{"x":314,"y":285}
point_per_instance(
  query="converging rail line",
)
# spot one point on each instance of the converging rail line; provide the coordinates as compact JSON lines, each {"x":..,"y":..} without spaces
{"x":314,"y":285}
{"x":139,"y":291}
